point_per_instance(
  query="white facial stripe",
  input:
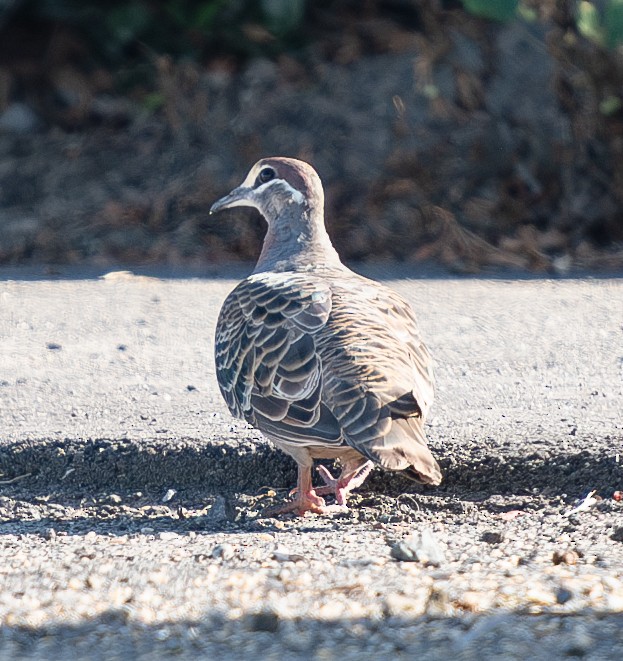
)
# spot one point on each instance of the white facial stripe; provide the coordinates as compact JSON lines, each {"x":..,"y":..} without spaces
{"x":246,"y":202}
{"x":296,"y":195}
{"x":250,"y":180}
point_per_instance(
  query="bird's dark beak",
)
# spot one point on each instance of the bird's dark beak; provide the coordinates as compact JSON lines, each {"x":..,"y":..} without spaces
{"x":239,"y":197}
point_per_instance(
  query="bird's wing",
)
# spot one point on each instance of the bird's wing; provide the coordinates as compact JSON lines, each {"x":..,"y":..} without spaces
{"x":378,"y":377}
{"x":267,"y":365}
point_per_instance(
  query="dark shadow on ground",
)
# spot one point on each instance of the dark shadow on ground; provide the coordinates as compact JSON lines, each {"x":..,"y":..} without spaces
{"x":120,"y":487}
{"x":81,"y":465}
{"x":114,"y":635}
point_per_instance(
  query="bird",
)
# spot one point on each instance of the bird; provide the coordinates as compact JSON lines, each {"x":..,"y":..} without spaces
{"x":326,"y":363}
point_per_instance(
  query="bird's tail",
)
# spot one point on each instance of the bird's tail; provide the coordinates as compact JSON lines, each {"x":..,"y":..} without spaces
{"x":404,"y":448}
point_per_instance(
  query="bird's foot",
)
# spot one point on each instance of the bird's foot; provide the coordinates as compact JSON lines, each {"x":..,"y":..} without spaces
{"x":342,"y":486}
{"x":303,"y":502}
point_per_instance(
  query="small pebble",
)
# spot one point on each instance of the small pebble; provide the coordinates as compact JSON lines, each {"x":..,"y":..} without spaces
{"x":419,"y":547}
{"x":540,"y":596}
{"x":563,"y":595}
{"x":400,"y":605}
{"x":475,"y":601}
{"x":265,"y":621}
{"x":168,"y":495}
{"x":567,"y":557}
{"x":492,"y":537}
{"x":281,"y":554}
{"x":218,"y":511}
{"x":617,"y":535}
{"x":223,"y":551}
{"x":74,"y":583}
{"x":121,"y":539}
{"x":94,"y":581}
{"x":331,"y":610}
{"x":168,"y":536}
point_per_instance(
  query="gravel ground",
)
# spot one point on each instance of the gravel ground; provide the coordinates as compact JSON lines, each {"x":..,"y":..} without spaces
{"x":131,"y":503}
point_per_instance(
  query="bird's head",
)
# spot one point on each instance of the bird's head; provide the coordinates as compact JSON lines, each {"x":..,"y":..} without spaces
{"x":274,"y":185}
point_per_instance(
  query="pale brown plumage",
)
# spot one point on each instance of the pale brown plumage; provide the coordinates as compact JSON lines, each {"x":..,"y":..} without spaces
{"x":324,"y":362}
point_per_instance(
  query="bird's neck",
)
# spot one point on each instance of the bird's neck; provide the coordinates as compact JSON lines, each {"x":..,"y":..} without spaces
{"x":297,"y":240}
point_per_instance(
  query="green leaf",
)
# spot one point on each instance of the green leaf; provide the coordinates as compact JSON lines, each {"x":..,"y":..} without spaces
{"x":529,"y":14}
{"x":610,"y":105}
{"x":613,"y":20}
{"x":126,"y":22}
{"x":430,"y":91}
{"x":589,"y":23}
{"x":206,"y":13}
{"x":497,"y":10}
{"x":283,"y":16}
{"x":153,"y":102}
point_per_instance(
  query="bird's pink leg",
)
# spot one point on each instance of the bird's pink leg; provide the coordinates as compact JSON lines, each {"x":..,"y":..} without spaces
{"x":306,"y":499}
{"x":350,"y":478}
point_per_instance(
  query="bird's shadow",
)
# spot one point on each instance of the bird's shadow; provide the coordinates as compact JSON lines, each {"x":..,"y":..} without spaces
{"x":77,"y":465}
{"x":120,"y":488}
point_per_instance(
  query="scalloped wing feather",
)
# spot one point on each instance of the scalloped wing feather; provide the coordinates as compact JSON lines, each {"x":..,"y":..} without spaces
{"x":267,"y":365}
{"x":326,"y":361}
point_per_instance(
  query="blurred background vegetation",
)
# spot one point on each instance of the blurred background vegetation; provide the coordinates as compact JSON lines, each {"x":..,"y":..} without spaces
{"x":119,"y":31}
{"x":120,"y":121}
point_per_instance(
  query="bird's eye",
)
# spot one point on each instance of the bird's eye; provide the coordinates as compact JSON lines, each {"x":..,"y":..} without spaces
{"x":265,"y":175}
